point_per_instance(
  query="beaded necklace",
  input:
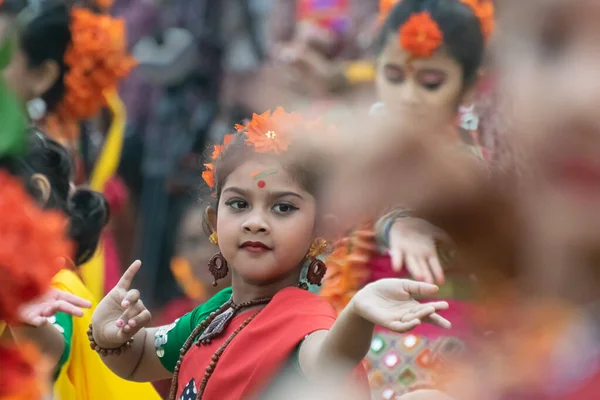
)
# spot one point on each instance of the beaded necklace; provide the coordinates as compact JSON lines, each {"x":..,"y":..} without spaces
{"x":211,"y":327}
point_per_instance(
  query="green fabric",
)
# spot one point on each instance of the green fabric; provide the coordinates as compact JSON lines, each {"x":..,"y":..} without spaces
{"x":171,"y":338}
{"x":13,"y":120}
{"x":64,"y":323}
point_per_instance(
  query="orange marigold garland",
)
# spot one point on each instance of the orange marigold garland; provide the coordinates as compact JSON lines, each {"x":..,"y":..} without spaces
{"x":97,"y":59}
{"x":421,"y":35}
{"x":33,"y":240}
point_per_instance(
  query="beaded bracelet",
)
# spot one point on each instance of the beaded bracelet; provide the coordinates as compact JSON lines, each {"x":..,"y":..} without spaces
{"x":107,"y":352}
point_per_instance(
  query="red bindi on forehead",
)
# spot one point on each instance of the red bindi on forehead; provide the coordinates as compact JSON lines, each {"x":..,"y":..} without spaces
{"x":260,"y":175}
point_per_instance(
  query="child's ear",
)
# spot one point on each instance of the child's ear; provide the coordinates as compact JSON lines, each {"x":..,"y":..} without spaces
{"x":42,"y":184}
{"x":210,"y":216}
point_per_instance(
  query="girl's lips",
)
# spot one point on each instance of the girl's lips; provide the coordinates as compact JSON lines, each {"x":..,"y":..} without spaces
{"x":255,"y":247}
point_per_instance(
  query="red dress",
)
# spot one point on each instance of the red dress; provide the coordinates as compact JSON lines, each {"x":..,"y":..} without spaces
{"x":260,"y":350}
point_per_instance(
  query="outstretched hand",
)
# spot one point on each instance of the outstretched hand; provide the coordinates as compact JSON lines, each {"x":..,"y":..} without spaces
{"x":37,"y":312}
{"x":121,"y":314}
{"x":389,"y":303}
{"x":413,"y":244}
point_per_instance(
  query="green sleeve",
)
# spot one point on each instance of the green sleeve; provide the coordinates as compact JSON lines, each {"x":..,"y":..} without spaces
{"x":64,"y":323}
{"x":169,"y":339}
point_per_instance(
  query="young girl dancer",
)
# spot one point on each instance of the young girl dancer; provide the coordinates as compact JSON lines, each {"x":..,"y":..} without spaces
{"x":265,"y":216}
{"x":79,"y":373}
{"x":430,"y":53}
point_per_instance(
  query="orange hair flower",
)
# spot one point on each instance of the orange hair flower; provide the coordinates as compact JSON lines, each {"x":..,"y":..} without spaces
{"x":271,"y":132}
{"x":420,"y":35}
{"x":33,"y":241}
{"x":97,"y":58}
{"x":209,"y":175}
{"x":218,"y":149}
{"x":484,"y":11}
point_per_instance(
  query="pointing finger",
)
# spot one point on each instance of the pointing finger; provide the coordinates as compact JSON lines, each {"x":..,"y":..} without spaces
{"x":127,"y":278}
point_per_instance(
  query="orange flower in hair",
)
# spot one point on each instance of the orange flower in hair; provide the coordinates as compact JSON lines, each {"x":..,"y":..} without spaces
{"x":420,"y":35}
{"x":33,"y":243}
{"x":218,"y":149}
{"x":484,"y":11}
{"x":97,"y":60}
{"x":271,"y":132}
{"x":209,"y":175}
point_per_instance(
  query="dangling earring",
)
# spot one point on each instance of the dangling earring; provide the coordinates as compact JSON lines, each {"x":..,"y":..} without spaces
{"x":218,"y":267}
{"x":218,"y":264}
{"x":36,"y":109}
{"x":469,"y":121}
{"x":317,"y":268}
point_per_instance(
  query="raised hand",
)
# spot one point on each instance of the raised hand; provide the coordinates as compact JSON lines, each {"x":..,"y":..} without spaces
{"x":413,"y":244}
{"x":36,"y":313}
{"x":121,"y":314}
{"x":389,"y":303}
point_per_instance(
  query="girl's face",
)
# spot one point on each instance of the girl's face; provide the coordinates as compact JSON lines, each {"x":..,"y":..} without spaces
{"x":551,"y":71}
{"x":265,"y":225}
{"x":423,"y":88}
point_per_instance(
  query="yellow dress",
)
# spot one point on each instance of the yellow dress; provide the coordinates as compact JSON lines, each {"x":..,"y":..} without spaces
{"x":84,"y":376}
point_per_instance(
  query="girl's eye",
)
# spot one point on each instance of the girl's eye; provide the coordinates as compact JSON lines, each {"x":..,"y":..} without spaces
{"x":237,"y":204}
{"x":284,"y":208}
{"x":393,"y":74}
{"x":432,"y":80}
{"x":433,"y":86}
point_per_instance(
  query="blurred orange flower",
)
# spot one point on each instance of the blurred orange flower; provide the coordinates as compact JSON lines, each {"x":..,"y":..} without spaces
{"x":209,"y":175}
{"x":218,"y":149}
{"x":271,"y":132}
{"x":97,"y":59}
{"x":420,"y":35}
{"x":33,"y":242}
{"x":21,"y":377}
{"x":484,"y":11}
{"x":347,"y":269}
